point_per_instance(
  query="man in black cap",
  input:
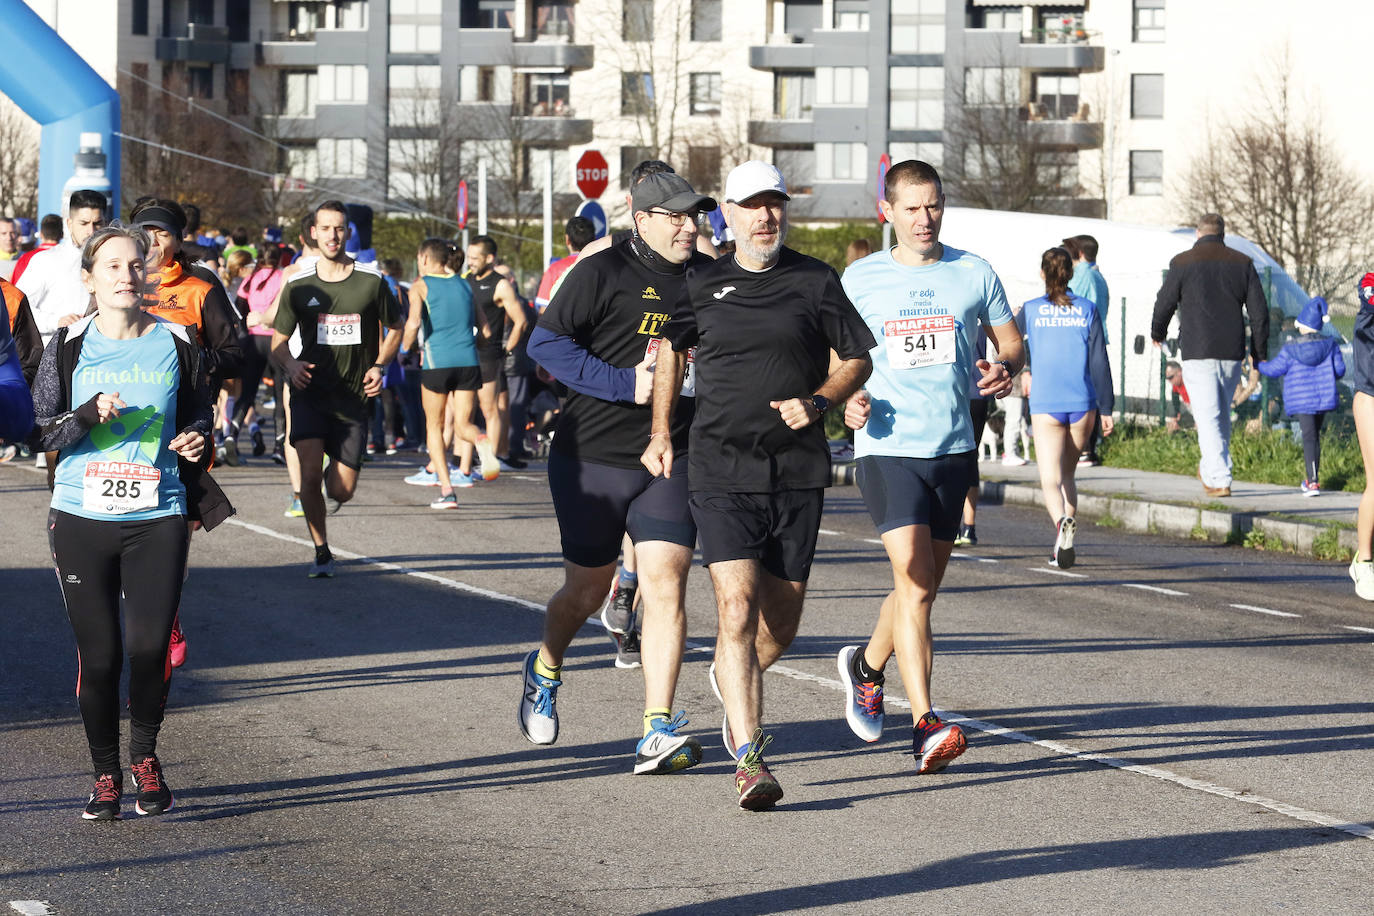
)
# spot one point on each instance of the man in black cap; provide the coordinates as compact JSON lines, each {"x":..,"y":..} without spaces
{"x":599,"y":336}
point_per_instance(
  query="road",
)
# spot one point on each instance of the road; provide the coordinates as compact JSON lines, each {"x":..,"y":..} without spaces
{"x":1176,"y":724}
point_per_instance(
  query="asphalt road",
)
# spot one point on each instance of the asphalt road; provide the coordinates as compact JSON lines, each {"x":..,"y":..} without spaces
{"x":1174,"y":725}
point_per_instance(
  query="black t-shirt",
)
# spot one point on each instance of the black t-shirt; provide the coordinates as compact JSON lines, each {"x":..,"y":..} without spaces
{"x":762,"y":337}
{"x":484,"y":302}
{"x":615,"y":306}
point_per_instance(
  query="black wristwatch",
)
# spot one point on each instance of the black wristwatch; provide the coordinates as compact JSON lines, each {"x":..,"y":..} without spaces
{"x":820,"y":402}
{"x":1006,"y":364}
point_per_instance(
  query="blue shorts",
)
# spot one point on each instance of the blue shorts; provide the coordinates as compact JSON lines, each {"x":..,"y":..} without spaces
{"x":1066,"y":417}
{"x":901,"y":492}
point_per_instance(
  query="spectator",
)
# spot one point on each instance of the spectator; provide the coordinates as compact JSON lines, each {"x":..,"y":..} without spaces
{"x":9,"y":247}
{"x":50,"y":233}
{"x":1208,"y":286}
{"x":1089,"y":284}
{"x":1173,"y":374}
{"x":1309,"y":366}
{"x":859,"y":248}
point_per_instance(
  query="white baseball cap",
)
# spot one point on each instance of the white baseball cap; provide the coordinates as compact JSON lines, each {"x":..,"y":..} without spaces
{"x":754,"y":177}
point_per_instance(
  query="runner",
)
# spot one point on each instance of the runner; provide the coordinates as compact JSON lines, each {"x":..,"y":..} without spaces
{"x":283,"y":452}
{"x":599,"y":336}
{"x":441,"y":312}
{"x":495,"y":299}
{"x":764,"y":322}
{"x":917,"y":453}
{"x":339,"y":307}
{"x":1071,"y":386}
{"x":124,"y":397}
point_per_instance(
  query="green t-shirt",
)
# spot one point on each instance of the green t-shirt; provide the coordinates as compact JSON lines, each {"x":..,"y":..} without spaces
{"x":340,"y":328}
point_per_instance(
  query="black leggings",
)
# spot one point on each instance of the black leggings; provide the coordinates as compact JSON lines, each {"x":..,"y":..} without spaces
{"x":96,"y":561}
{"x":255,"y":365}
{"x":1311,"y":426}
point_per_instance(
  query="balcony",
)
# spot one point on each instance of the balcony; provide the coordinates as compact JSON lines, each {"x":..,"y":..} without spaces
{"x":552,"y":130}
{"x":552,"y":54}
{"x":777,"y":132}
{"x":1066,"y":134}
{"x":288,"y":49}
{"x":1077,"y":49}
{"x":202,"y":44}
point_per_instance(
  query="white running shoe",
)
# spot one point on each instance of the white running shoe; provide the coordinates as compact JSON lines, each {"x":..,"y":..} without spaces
{"x":491,"y":465}
{"x":538,"y":716}
{"x":1013,"y":461}
{"x":1063,"y":543}
{"x":1362,"y":572}
{"x":725,"y":723}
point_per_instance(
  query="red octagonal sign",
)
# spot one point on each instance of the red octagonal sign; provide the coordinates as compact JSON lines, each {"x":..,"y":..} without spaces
{"x":593,"y":174}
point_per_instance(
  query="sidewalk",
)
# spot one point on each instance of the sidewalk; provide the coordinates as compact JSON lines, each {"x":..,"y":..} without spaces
{"x":1173,"y":505}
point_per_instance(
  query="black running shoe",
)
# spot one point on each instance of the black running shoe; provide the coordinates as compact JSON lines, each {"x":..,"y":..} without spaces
{"x":259,"y":444}
{"x":104,"y":801}
{"x":153,"y":795}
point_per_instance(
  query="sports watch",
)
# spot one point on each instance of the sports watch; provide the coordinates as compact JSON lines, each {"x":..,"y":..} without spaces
{"x":820,"y":402}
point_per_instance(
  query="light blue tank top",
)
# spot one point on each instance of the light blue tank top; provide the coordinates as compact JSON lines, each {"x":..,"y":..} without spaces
{"x":446,"y":329}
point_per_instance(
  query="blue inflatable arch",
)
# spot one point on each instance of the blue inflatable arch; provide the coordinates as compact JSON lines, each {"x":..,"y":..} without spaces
{"x":54,"y":86}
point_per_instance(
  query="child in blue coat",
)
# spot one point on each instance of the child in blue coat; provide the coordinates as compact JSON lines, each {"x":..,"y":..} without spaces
{"x":1309,"y":366}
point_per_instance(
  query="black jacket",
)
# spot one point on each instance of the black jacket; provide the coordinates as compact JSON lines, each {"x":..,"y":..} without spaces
{"x":60,"y":425}
{"x":1207,"y":285}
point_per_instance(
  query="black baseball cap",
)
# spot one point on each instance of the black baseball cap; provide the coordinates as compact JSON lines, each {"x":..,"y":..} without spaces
{"x":670,"y":192}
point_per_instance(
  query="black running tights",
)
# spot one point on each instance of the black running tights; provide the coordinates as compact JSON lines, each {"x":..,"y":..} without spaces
{"x":96,"y":561}
{"x":1311,"y":426}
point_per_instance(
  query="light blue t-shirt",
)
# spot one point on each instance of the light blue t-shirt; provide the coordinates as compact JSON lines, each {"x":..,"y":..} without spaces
{"x":1061,"y":341}
{"x":123,"y":469}
{"x":926,"y":321}
{"x":1089,"y":283}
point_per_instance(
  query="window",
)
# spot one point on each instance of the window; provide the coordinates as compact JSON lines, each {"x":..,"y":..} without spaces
{"x":1148,"y":21}
{"x":412,"y":167}
{"x":639,"y":20}
{"x":916,"y":98}
{"x":851,"y":15}
{"x":298,"y":93}
{"x":413,"y":96}
{"x":637,"y":96}
{"x":1147,"y":95}
{"x":200,"y":82}
{"x":933,"y":153}
{"x":416,"y":7}
{"x":554,"y":19}
{"x":349,"y":14}
{"x":140,"y":18}
{"x":706,"y":20}
{"x":342,"y":158}
{"x":798,"y":166}
{"x":539,"y":158}
{"x":992,"y":86}
{"x":485,"y":84}
{"x":302,"y":162}
{"x":841,"y":161}
{"x":631,"y":156}
{"x":1058,"y":26}
{"x":1056,"y":95}
{"x":1147,"y":172}
{"x":1000,"y":18}
{"x":201,"y":12}
{"x":548,"y":94}
{"x":237,"y":89}
{"x":236,"y":18}
{"x":411,"y":38}
{"x":918,"y":27}
{"x":841,"y":85}
{"x":801,"y":17}
{"x":703,"y":168}
{"x":705,"y":93}
{"x":487,"y":14}
{"x":343,"y":83}
{"x":793,"y":95}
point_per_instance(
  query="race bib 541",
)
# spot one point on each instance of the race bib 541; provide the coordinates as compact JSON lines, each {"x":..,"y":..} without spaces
{"x":915,"y":342}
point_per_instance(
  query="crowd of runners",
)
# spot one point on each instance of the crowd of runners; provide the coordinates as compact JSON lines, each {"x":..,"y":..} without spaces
{"x":691,"y":384}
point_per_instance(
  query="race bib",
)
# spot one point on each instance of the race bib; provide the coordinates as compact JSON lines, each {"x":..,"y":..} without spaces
{"x":689,"y":376}
{"x":340,"y":330}
{"x":915,"y":342}
{"x":118,"y":487}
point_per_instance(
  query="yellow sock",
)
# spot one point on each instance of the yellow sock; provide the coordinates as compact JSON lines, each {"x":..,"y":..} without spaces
{"x":544,"y":670}
{"x":652,"y":714}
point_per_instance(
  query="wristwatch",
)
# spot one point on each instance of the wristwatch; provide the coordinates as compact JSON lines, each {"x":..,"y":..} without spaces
{"x":820,"y":402}
{"x":1006,"y":364}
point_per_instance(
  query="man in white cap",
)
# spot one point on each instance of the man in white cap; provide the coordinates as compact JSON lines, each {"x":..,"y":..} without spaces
{"x":764,"y":323}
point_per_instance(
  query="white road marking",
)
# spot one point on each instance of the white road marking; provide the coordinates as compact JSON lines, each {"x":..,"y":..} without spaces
{"x":968,"y":556}
{"x":1154,"y":588}
{"x":31,"y":907}
{"x":1357,"y":629}
{"x":1264,"y":610}
{"x":1197,"y":785}
{"x":1051,"y":571}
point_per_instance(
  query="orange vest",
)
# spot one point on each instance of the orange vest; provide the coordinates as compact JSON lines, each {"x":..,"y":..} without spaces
{"x":178,"y":297}
{"x":13,"y":296}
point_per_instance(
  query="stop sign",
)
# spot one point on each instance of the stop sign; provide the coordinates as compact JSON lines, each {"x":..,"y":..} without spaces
{"x":592,"y":174}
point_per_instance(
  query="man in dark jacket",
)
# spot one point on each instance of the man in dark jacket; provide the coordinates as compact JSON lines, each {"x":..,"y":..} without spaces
{"x":1208,"y":285}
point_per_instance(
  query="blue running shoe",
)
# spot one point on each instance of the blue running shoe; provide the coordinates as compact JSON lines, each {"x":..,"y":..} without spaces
{"x":423,"y":478}
{"x":663,"y":750}
{"x":538,"y":714}
{"x":294,"y":510}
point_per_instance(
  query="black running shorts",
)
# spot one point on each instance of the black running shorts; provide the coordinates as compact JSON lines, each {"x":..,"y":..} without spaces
{"x":901,"y":492}
{"x":1362,"y":351}
{"x":777,"y":529}
{"x":597,"y":504}
{"x":344,"y":433}
{"x":978,"y":412}
{"x":456,"y":378}
{"x":493,"y":363}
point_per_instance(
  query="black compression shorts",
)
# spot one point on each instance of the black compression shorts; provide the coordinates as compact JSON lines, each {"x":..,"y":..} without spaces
{"x":597,"y":504}
{"x":456,"y":378}
{"x":344,"y":435}
{"x":777,"y":529}
{"x":493,"y":363}
{"x":900,"y":492}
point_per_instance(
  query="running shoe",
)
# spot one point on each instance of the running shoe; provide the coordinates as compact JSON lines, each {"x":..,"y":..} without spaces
{"x":936,"y":743}
{"x":103,"y":805}
{"x":423,"y":478}
{"x":1011,"y":460}
{"x":332,"y":505}
{"x":757,"y":787}
{"x":154,"y":797}
{"x":391,"y":448}
{"x":627,"y":649}
{"x":538,"y":715}
{"x":294,"y":510}
{"x":663,"y":750}
{"x":863,"y":708}
{"x":617,"y":614}
{"x":445,"y":502}
{"x":1088,"y":460}
{"x":231,"y":452}
{"x":725,"y":737}
{"x":967,"y":537}
{"x":176,"y":648}
{"x":1310,"y":488}
{"x":511,"y":464}
{"x":8,"y":452}
{"x":1362,"y":572}
{"x":259,"y":444}
{"x":1063,"y":544}
{"x":459,"y":479}
{"x":320,"y":570}
{"x":491,"y":465}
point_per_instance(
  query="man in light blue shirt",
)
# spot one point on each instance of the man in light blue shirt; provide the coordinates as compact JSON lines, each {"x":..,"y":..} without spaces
{"x":1089,"y":283}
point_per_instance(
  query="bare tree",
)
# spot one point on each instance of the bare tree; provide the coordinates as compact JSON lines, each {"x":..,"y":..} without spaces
{"x":18,"y":162}
{"x":1278,"y":180}
{"x":425,"y":156}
